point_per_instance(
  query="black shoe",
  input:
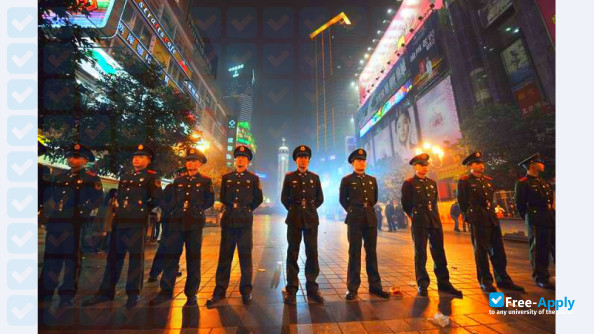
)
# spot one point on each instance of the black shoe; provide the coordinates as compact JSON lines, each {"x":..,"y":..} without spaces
{"x":511,"y":286}
{"x":179,"y":273}
{"x":316,"y":296}
{"x":456,"y":230}
{"x":290,"y":298}
{"x":96,"y":300}
{"x":488,"y":288}
{"x":66,"y":302}
{"x":132,"y":301}
{"x":214,"y":300}
{"x":422,"y":291}
{"x":351,"y":295}
{"x":380,"y":293}
{"x":546,"y":285}
{"x":160,"y":299}
{"x":152,"y":279}
{"x":191,"y":302}
{"x":246,"y":299}
{"x":449,"y":288}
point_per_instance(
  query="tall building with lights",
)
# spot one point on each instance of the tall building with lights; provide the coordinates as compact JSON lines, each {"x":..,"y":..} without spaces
{"x":335,"y":99}
{"x":239,"y":93}
{"x":283,"y":166}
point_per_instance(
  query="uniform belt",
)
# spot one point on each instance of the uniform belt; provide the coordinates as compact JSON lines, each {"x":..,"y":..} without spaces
{"x":363,"y":205}
{"x":541,"y":207}
{"x":424,"y":206}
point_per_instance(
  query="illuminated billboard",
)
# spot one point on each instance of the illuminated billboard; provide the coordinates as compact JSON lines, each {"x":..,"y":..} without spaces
{"x":392,"y":101}
{"x":385,"y":54}
{"x":245,"y":136}
{"x":438,"y":116}
{"x":102,"y":14}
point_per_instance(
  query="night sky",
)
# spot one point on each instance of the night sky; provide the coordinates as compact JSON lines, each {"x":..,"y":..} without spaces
{"x":272,"y":37}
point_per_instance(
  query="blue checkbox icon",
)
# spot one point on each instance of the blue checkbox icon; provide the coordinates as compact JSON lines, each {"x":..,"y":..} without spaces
{"x":22,"y":22}
{"x":22,"y":94}
{"x":22,"y":58}
{"x":21,"y":130}
{"x":496,"y":299}
{"x":21,"y":239}
{"x":21,"y":166}
{"x":21,"y":202}
{"x":22,"y":274}
{"x":21,"y":310}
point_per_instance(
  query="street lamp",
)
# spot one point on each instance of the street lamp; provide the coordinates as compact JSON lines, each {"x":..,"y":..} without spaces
{"x":435,"y":151}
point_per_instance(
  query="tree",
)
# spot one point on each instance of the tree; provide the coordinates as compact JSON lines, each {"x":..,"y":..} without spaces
{"x":506,"y":137}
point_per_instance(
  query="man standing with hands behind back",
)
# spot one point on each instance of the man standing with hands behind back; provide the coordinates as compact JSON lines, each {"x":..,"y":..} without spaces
{"x":358,"y":195}
{"x":241,"y":194}
{"x":302,"y":196}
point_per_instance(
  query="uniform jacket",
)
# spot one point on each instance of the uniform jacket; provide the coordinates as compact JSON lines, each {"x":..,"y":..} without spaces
{"x":534,"y":201}
{"x":419,"y":201}
{"x":358,"y":196}
{"x":475,"y":197}
{"x":186,"y":200}
{"x":74,"y":195}
{"x":138,"y":194}
{"x":241,"y":193}
{"x":302,"y":195}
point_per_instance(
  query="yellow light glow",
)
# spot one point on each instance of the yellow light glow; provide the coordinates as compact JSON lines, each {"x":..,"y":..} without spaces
{"x":340,"y":17}
{"x":418,"y":151}
{"x":426,"y":146}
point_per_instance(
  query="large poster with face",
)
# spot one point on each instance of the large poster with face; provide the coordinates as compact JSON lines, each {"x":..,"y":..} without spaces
{"x":437,"y":113}
{"x":381,"y":140}
{"x":404,"y":135}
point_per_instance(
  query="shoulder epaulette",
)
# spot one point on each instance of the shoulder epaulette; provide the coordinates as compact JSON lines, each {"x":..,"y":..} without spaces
{"x":464,"y":177}
{"x":409,"y":179}
{"x":151,"y":171}
{"x":522,"y":179}
{"x":487,"y":177}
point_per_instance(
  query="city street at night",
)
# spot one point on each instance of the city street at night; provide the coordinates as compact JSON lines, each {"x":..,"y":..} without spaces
{"x":267,"y":313}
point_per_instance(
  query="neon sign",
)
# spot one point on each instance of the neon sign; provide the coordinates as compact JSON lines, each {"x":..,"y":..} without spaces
{"x":411,"y":14}
{"x":235,"y":70}
{"x":99,"y":13}
{"x":163,"y":36}
{"x":392,"y":101}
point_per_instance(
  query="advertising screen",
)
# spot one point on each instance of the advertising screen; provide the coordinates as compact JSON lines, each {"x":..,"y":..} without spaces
{"x":424,"y":55}
{"x":385,"y":55}
{"x":437,"y":113}
{"x":404,"y":134}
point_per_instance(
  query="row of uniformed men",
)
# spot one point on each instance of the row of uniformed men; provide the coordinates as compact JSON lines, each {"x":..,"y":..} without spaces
{"x":76,"y":193}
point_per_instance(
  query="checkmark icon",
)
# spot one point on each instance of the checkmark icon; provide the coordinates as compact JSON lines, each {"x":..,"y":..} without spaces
{"x":239,"y":25}
{"x":496,"y":299}
{"x":21,"y":205}
{"x":205,"y":24}
{"x":20,"y":25}
{"x":21,"y":277}
{"x":21,"y":169}
{"x":277,"y":96}
{"x":20,"y":313}
{"x":21,"y":61}
{"x":20,"y":133}
{"x":22,"y":240}
{"x":22,"y":96}
{"x":277,"y":25}
{"x":277,"y":60}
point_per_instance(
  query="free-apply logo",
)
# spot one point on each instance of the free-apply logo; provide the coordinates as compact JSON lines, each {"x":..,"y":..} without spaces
{"x":496,"y":299}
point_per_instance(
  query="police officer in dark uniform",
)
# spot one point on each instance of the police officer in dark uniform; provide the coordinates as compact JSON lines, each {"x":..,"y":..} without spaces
{"x":419,"y":200}
{"x":475,"y":196}
{"x":241,"y":194}
{"x":358,"y":195}
{"x":138,"y":193}
{"x":72,"y":197}
{"x":163,"y":252}
{"x":191,"y":195}
{"x":535,"y":202}
{"x":302,"y":195}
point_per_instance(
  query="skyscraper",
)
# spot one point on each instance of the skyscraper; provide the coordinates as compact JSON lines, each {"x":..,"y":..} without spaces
{"x":239,"y":94}
{"x":283,"y":165}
